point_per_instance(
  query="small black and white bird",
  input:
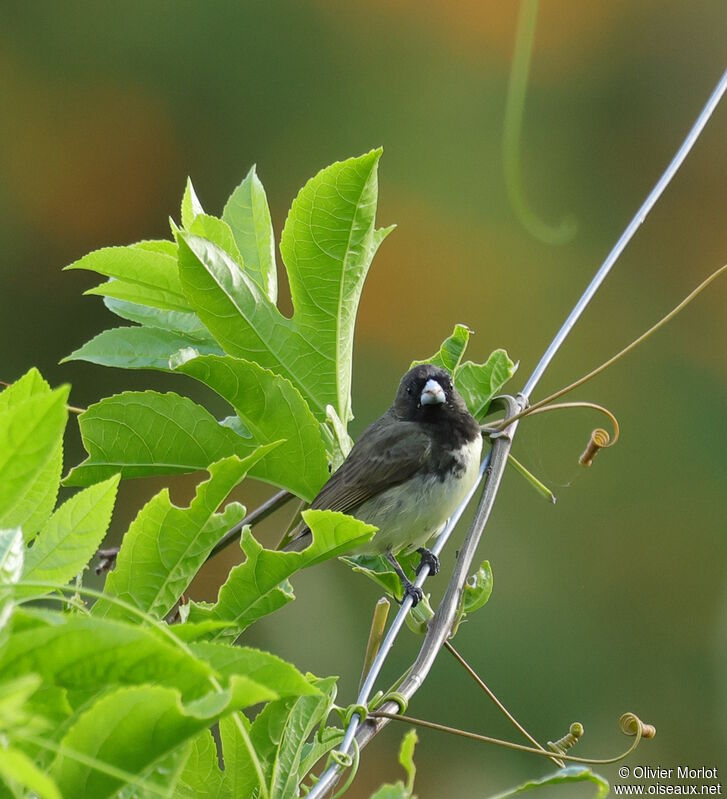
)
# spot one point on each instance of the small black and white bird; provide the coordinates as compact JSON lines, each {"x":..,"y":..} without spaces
{"x":408,"y":471}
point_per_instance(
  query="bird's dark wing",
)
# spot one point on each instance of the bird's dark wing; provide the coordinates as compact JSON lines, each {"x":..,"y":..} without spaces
{"x":388,"y":453}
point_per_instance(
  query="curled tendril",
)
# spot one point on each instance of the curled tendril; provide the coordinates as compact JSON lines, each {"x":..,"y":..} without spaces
{"x":346,"y":761}
{"x":562,"y":745}
{"x":600,"y":438}
{"x":392,"y":696}
{"x":355,"y":710}
{"x":631,"y":724}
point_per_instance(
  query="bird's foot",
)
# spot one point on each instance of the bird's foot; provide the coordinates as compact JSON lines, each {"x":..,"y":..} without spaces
{"x":413,"y":591}
{"x":428,"y":559}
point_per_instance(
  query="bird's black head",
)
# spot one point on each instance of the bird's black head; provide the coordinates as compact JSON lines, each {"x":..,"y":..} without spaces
{"x":427,"y":393}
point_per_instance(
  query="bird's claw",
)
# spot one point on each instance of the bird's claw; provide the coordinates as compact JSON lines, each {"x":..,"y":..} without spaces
{"x":413,"y":591}
{"x":428,"y":559}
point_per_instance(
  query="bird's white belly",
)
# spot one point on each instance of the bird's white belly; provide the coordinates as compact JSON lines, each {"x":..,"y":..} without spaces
{"x":408,"y":515}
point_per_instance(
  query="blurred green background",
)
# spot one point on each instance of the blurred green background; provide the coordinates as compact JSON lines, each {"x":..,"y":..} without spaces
{"x":615,"y":598}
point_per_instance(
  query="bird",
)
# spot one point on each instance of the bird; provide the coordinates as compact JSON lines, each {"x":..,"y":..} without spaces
{"x":407,"y":472}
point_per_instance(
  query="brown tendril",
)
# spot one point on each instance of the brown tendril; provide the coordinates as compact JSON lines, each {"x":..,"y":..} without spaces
{"x":629,"y":723}
{"x":562,"y":745}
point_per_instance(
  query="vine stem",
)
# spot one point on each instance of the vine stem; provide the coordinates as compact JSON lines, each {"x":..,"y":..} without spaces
{"x":493,"y":466}
{"x":498,"y":704}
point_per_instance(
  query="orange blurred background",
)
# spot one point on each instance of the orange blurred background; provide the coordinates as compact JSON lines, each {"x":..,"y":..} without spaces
{"x":614,"y":599}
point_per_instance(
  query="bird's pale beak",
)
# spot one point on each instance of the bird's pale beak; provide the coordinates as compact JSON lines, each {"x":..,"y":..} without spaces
{"x":432,"y":394}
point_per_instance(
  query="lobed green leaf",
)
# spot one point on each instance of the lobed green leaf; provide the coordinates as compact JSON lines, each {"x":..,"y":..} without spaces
{"x":567,"y":775}
{"x":271,"y":408}
{"x":138,"y":348}
{"x":71,"y":536}
{"x":35,"y":505}
{"x":31,"y":433}
{"x":145,"y":433}
{"x":18,"y":770}
{"x":259,"y":585}
{"x":248,"y":215}
{"x":166,"y":545}
{"x":130,"y":729}
{"x":139,"y":274}
{"x":201,"y":777}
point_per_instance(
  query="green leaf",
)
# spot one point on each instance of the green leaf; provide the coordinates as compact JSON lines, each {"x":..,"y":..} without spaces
{"x":25,"y":387}
{"x":406,"y":760}
{"x":139,"y":274}
{"x":322,"y":743}
{"x":328,"y":243}
{"x":478,"y":588}
{"x":138,"y":348}
{"x":17,"y":769}
{"x":449,"y":355}
{"x":166,"y":545}
{"x":201,"y":777}
{"x":478,"y":383}
{"x":240,"y":778}
{"x":162,"y":778}
{"x":258,"y":586}
{"x":248,"y":215}
{"x":262,"y":667}
{"x":32,"y":509}
{"x":191,"y":206}
{"x":304,"y":717}
{"x":217,"y":231}
{"x":567,"y":775}
{"x":378,"y":569}
{"x":186,"y":323}
{"x":144,"y":433}
{"x":31,"y":432}
{"x":163,"y":246}
{"x":86,"y":654}
{"x":12,"y":550}
{"x":271,"y":408}
{"x":397,"y":791}
{"x":130,"y":729}
{"x":71,"y":536}
{"x":14,"y":697}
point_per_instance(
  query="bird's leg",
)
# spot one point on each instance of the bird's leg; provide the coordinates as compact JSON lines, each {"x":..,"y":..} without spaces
{"x":428,"y":559}
{"x":410,"y":589}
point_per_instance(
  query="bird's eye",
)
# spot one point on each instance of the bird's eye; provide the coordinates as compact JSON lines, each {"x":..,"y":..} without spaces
{"x":408,"y":390}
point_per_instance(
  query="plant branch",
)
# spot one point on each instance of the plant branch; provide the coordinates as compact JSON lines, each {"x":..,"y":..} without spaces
{"x":261,"y":512}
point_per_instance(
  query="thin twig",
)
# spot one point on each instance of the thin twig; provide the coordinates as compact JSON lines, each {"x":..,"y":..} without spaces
{"x":540,"y":405}
{"x":260,"y":513}
{"x":505,"y":712}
